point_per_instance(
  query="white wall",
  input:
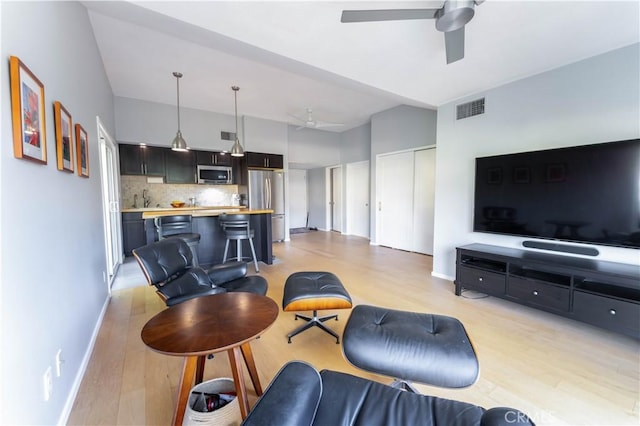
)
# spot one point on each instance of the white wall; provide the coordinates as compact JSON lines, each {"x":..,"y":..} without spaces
{"x":52,"y":246}
{"x":595,"y":100}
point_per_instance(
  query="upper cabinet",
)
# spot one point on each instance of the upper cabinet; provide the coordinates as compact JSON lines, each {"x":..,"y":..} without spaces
{"x":213,"y":158}
{"x":264,"y":161}
{"x":141,"y":160}
{"x":180,"y":166}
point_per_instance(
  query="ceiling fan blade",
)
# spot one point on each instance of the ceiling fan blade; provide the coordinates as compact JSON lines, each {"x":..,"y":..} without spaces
{"x":454,"y":45}
{"x":387,"y":15}
{"x":323,"y":124}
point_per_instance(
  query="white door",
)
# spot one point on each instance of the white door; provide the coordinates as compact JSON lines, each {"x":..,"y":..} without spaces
{"x":357,"y":199}
{"x":424,"y":200}
{"x":298,"y":206}
{"x":394,"y":204}
{"x":336,"y":199}
{"x":110,"y":204}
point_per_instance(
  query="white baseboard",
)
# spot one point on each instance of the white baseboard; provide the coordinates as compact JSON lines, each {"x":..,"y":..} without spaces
{"x":71,"y":398}
{"x":443,"y":276}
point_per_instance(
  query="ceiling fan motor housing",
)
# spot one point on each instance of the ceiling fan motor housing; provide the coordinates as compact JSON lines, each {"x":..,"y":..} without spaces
{"x":454,"y":15}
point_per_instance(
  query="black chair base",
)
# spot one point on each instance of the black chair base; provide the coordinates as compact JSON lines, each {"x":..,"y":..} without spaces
{"x":314,"y":321}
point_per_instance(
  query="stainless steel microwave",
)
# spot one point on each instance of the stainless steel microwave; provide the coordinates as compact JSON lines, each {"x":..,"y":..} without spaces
{"x":216,"y":175}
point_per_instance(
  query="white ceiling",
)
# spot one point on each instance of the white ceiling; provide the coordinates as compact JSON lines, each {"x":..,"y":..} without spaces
{"x":289,"y":56}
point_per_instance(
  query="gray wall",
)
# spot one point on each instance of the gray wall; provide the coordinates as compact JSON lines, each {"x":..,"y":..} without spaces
{"x":310,"y":148}
{"x":51,"y":225}
{"x":317,"y":195}
{"x":156,"y":124}
{"x":397,"y":129}
{"x":595,"y":100}
{"x":355,"y":144}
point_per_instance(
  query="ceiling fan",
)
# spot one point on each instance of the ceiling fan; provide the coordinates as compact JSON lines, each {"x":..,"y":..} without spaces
{"x":450,"y":19}
{"x":311,"y":122}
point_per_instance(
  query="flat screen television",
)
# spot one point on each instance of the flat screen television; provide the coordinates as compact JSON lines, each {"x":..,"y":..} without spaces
{"x":585,"y":194}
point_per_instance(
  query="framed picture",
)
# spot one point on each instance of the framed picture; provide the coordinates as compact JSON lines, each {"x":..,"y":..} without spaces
{"x":521,"y":175}
{"x":82,"y":151}
{"x":494,"y":175}
{"x":27,"y":113}
{"x":64,"y":137}
{"x":556,"y":172}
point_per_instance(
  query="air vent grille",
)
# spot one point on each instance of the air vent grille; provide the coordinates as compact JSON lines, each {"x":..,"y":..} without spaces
{"x":470,"y":109}
{"x":227,"y":136}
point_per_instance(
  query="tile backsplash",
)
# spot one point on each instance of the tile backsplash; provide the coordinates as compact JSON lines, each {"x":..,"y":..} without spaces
{"x":162,"y":194}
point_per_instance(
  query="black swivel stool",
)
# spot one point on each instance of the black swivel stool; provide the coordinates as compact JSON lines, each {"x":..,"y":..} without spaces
{"x":236,"y":227}
{"x":434,"y":349}
{"x":179,"y":226}
{"x":313,"y":291}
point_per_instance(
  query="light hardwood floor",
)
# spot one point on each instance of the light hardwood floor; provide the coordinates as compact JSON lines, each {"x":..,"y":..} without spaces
{"x":557,"y":370}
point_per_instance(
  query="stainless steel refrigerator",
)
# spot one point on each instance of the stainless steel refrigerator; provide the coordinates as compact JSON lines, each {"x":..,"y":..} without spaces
{"x":266,"y":191}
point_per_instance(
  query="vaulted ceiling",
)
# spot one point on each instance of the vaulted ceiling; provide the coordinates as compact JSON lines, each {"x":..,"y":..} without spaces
{"x":289,"y":56}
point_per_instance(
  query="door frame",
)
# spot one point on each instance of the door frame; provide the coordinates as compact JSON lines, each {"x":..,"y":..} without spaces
{"x":329,"y":197}
{"x":113,"y":245}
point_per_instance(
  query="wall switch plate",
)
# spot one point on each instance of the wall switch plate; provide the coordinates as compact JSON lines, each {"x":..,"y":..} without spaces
{"x":47,"y":383}
{"x":59,"y":362}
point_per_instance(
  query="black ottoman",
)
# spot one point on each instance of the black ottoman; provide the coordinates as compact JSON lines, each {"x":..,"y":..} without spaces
{"x":411,"y":347}
{"x":314,"y":291}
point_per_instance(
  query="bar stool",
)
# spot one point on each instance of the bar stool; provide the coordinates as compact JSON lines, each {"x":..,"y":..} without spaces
{"x":179,"y":226}
{"x":236,"y":227}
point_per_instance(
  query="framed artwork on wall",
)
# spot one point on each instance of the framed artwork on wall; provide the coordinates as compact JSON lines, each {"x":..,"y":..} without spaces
{"x":64,"y":137}
{"x":82,"y":151}
{"x":27,"y":113}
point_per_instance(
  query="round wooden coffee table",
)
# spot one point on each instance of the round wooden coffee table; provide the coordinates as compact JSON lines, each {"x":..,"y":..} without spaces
{"x":209,"y":324}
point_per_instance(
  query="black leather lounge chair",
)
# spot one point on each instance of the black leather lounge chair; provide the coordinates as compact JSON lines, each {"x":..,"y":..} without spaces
{"x":168,"y":265}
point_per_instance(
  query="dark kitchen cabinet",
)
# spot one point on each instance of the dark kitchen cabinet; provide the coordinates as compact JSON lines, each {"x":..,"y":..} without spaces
{"x":141,"y":160}
{"x":213,"y":158}
{"x":180,"y":167}
{"x":133,"y":233}
{"x":264,"y":161}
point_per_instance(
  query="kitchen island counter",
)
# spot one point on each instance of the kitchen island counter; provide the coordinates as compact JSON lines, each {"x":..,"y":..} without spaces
{"x":212,"y":239}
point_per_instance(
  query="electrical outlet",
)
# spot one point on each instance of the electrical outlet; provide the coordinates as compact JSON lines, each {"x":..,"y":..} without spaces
{"x":47,"y":382}
{"x":59,"y":362}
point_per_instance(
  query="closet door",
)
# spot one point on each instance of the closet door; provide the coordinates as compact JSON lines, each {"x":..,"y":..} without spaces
{"x":357,"y":199}
{"x":424,"y":200}
{"x":395,"y":200}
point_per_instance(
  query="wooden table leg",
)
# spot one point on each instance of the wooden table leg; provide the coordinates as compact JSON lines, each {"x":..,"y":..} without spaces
{"x":186,"y":382}
{"x":251,"y":366}
{"x":238,"y":379}
{"x":200,"y":369}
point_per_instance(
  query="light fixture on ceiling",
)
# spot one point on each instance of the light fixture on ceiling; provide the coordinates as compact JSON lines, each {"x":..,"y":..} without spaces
{"x":178,"y":144}
{"x":236,"y":149}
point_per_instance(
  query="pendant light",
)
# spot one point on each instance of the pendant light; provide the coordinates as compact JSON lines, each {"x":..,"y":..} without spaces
{"x":236,"y":149}
{"x":178,"y":144}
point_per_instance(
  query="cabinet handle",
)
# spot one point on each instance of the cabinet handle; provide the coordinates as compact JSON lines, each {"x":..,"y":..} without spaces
{"x":480,"y":279}
{"x":535,"y":292}
{"x":612,"y":311}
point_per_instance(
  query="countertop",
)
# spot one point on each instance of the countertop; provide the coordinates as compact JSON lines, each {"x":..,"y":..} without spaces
{"x":179,"y":209}
{"x":200,"y":211}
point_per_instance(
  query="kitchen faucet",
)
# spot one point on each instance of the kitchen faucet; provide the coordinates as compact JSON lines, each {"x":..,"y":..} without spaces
{"x":146,"y":200}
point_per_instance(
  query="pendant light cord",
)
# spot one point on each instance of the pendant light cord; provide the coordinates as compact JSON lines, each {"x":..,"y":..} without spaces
{"x":178,"y":75}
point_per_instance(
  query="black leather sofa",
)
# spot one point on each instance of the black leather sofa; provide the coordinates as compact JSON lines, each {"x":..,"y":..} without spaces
{"x":167,"y":265}
{"x":299,"y":395}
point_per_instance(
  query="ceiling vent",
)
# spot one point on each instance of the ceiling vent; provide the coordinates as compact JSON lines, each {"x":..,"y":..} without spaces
{"x":227,"y":136}
{"x":470,"y":109}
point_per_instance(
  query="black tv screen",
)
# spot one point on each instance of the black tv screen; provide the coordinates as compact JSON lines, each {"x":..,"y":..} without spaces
{"x":586,"y":194}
